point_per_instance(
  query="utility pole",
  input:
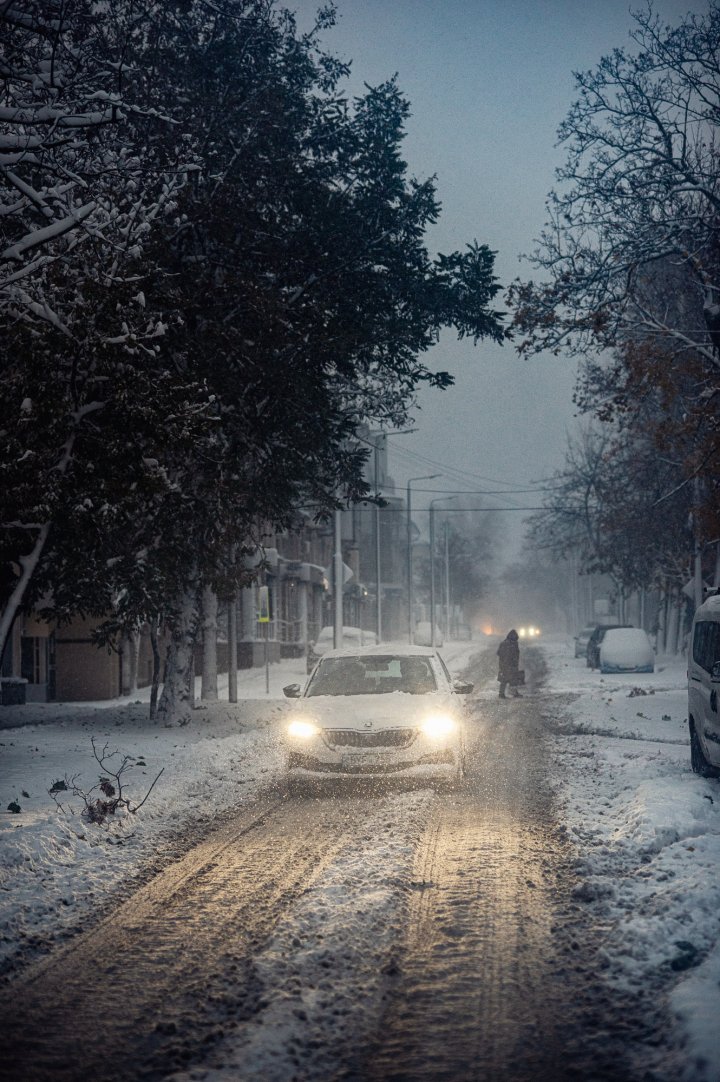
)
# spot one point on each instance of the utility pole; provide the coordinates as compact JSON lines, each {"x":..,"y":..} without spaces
{"x":425,"y":477}
{"x":440,"y":499}
{"x":338,"y":583}
{"x":447,"y":581}
{"x":378,"y":566}
{"x":378,"y":545}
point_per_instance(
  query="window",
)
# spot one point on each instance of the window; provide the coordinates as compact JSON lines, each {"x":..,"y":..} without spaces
{"x":32,"y":651}
{"x":706,"y":644}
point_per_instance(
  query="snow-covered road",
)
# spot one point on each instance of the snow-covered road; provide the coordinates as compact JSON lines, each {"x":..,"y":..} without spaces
{"x":581,"y":813}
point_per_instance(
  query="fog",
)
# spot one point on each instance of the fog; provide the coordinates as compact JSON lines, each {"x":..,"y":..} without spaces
{"x":489,"y":82}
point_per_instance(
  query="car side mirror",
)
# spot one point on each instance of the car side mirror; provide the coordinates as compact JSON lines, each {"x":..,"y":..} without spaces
{"x":460,"y":687}
{"x":292,"y":691}
{"x":715,"y":672}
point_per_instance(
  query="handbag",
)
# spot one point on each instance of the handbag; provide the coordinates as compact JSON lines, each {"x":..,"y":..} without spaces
{"x":520,"y":678}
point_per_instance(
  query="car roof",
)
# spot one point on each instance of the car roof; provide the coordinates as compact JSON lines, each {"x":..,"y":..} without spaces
{"x":384,"y":649}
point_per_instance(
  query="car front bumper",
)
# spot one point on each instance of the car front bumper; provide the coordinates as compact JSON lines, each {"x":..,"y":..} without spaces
{"x":360,"y":753}
{"x":609,"y":668}
{"x":445,"y":761}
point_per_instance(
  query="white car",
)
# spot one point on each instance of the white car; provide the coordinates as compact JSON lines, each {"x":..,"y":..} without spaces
{"x":626,"y":649}
{"x":704,"y":689}
{"x":378,"y":711}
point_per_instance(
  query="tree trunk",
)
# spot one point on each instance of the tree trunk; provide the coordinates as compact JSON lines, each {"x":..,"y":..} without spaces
{"x":131,"y":651}
{"x":28,"y":564}
{"x":209,"y":687}
{"x":232,"y":650}
{"x":178,"y":696}
{"x":662,"y":620}
{"x":672,"y":626}
{"x":156,"y":669}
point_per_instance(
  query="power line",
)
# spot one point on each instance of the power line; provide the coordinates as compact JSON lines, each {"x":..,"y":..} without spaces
{"x":464,"y":473}
{"x":483,"y":491}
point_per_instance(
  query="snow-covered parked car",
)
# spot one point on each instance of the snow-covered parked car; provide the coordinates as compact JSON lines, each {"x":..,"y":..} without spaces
{"x":582,"y":639}
{"x":377,"y":711}
{"x":704,"y":689}
{"x":592,"y":654}
{"x":626,"y":649}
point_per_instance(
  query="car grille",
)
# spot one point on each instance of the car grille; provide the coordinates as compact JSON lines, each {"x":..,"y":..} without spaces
{"x":383,"y":738}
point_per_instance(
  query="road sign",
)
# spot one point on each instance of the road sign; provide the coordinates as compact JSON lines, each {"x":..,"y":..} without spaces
{"x":263,"y":605}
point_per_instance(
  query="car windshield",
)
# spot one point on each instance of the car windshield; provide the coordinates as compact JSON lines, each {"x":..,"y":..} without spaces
{"x":373,"y":675}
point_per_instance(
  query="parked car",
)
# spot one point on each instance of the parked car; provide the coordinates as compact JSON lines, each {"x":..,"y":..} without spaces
{"x":377,"y":711}
{"x":582,"y":640}
{"x":352,"y":636}
{"x":593,"y":647}
{"x":626,"y":649}
{"x":704,"y":689}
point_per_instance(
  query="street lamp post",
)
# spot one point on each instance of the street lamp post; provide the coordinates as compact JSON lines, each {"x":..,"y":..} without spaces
{"x":425,"y":477}
{"x":440,"y":499}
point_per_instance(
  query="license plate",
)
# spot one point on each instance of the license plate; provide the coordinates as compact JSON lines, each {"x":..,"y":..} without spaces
{"x":367,"y":758}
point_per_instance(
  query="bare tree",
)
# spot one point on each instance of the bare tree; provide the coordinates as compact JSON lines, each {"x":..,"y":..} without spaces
{"x":640,"y":185}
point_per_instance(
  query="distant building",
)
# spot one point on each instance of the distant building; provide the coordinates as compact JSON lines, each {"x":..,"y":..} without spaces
{"x":63,"y":663}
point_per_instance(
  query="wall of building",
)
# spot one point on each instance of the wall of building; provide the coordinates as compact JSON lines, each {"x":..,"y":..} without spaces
{"x":83,"y":671}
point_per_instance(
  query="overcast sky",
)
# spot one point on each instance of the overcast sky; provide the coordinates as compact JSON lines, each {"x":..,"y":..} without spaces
{"x":488,"y":81}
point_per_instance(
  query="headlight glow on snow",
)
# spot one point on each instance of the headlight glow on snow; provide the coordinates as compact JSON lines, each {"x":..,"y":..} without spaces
{"x":438,"y":725}
{"x":302,"y":728}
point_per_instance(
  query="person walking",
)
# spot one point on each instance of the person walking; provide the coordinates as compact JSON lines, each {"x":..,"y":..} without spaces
{"x":509,"y":665}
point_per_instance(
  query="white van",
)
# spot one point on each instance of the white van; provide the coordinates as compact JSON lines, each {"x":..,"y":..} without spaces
{"x":704,"y":689}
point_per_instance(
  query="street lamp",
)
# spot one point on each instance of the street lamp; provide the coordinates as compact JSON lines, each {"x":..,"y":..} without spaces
{"x":425,"y":477}
{"x":439,"y":499}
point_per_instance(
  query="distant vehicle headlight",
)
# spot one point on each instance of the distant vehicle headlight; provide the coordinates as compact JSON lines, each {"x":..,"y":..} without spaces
{"x":523,"y":632}
{"x":438,"y":725}
{"x":302,"y":728}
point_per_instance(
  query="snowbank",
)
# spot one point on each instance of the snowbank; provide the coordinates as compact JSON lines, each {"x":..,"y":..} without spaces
{"x":648,"y":836}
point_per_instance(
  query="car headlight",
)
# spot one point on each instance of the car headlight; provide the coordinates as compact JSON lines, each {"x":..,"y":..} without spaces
{"x":302,"y":728}
{"x":438,"y":725}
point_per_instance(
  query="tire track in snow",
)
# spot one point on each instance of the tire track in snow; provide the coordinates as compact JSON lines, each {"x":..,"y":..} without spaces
{"x":135,"y":996}
{"x":496,"y":981}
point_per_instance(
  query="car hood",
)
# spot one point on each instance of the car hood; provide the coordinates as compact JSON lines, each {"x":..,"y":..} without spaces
{"x":390,"y":711}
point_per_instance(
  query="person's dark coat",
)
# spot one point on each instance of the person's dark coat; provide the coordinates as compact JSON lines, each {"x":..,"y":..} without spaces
{"x":509,"y":660}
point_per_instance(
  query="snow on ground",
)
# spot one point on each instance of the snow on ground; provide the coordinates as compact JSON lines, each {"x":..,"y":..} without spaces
{"x":648,"y":833}
{"x":646,"y":829}
{"x":55,"y":868}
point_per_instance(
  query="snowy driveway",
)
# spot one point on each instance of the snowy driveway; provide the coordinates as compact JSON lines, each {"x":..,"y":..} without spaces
{"x":518,"y":929}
